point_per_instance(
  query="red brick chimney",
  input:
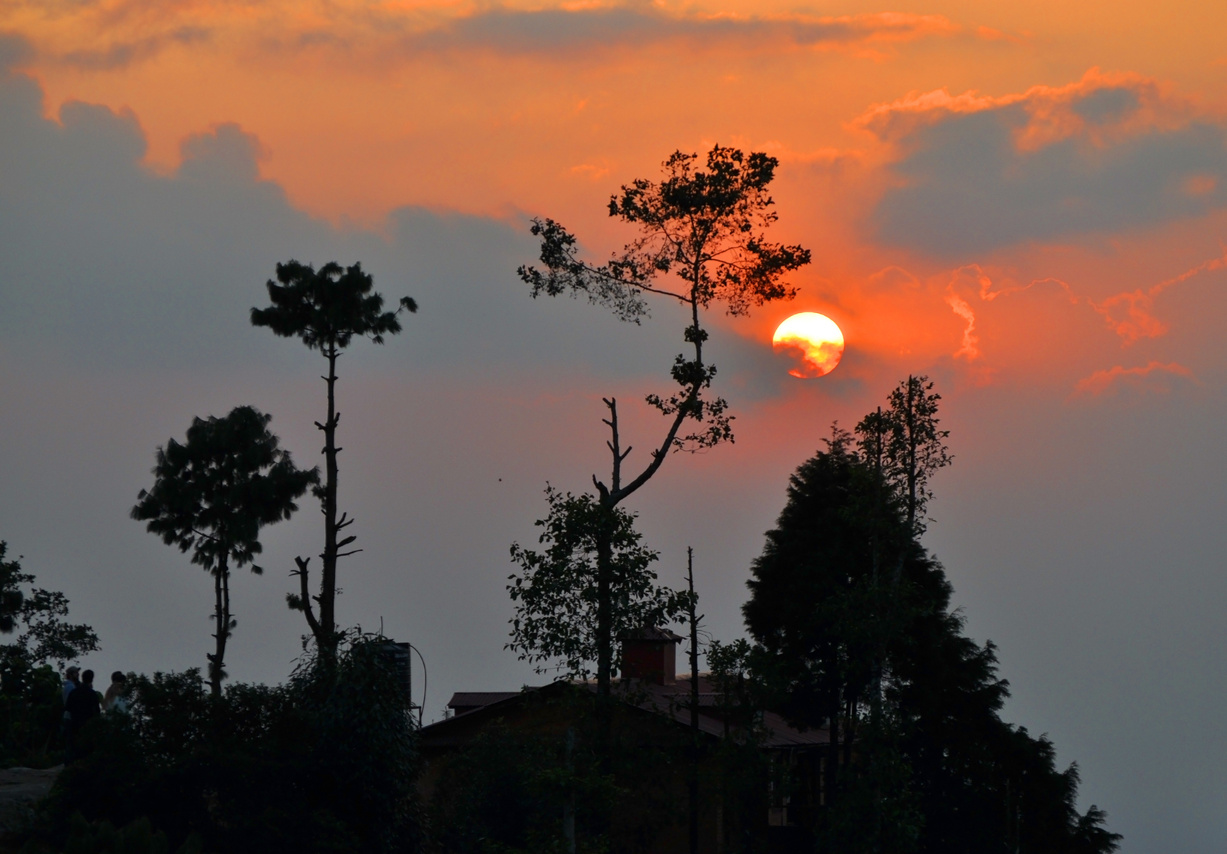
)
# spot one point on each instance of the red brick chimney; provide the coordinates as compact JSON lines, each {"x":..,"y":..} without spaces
{"x":650,"y":654}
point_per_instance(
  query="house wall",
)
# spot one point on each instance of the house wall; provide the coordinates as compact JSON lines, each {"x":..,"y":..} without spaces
{"x":650,"y":766}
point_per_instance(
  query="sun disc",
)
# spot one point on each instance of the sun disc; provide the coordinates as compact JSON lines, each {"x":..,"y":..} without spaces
{"x":814,"y":342}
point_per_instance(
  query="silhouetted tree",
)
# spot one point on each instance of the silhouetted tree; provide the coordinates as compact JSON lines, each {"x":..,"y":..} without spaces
{"x":38,"y":617}
{"x":928,"y":765}
{"x":555,"y":625}
{"x":815,"y":605}
{"x":704,"y":229}
{"x":213,"y":493}
{"x":905,"y":444}
{"x":326,"y":309}
{"x":30,"y":699}
{"x":903,"y":447}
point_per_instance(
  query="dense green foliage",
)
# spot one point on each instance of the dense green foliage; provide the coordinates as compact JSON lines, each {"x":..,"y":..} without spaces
{"x":854,"y":631}
{"x":555,"y":619}
{"x":325,"y":763}
{"x":213,"y":493}
{"x":30,"y":701}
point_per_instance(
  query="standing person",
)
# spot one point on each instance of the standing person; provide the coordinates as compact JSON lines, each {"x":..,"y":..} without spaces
{"x":82,"y":707}
{"x":116,"y":699}
{"x":72,"y":678}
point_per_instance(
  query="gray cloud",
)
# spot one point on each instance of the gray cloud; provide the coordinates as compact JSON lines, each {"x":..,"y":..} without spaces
{"x":549,"y":30}
{"x":967,"y":184}
{"x":123,"y":54}
{"x":544,"y":31}
{"x":14,"y":50}
{"x":107,"y":262}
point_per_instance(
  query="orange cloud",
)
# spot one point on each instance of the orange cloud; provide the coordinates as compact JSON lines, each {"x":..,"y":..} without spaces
{"x":118,"y":33}
{"x":970,"y":349}
{"x":1154,"y":377}
{"x":1099,"y":108}
{"x":1129,"y":314}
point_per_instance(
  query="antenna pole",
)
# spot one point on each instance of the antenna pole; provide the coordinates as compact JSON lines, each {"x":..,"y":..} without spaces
{"x":694,"y":704}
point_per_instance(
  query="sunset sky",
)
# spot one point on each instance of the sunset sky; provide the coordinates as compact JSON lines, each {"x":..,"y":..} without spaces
{"x":1025,"y":201}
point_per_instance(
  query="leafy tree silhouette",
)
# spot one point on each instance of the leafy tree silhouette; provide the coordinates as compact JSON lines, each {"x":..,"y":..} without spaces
{"x":36,"y":616}
{"x":703,"y":228}
{"x":906,"y":446}
{"x":213,"y":493}
{"x":326,"y":309}
{"x":554,"y":626}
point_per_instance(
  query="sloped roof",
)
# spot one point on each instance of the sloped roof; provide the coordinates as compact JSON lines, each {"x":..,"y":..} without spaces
{"x":650,"y":633}
{"x":473,"y":699}
{"x":670,"y":701}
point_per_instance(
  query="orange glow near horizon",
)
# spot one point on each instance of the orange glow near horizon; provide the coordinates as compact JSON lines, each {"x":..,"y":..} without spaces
{"x":814,"y":342}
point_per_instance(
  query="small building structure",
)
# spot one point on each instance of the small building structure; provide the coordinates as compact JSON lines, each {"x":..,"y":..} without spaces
{"x":756,"y":774}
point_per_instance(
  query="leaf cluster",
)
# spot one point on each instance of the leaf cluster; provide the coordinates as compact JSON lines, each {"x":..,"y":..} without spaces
{"x":705,"y":226}
{"x":37,"y":616}
{"x":702,"y":239}
{"x":326,"y":308}
{"x":31,"y":705}
{"x":213,"y":492}
{"x":905,"y":445}
{"x":556,"y":592}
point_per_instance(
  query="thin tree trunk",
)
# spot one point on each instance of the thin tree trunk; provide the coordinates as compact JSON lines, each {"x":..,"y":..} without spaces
{"x":326,"y":640}
{"x":911,"y":451}
{"x":833,"y":753}
{"x":604,"y":607}
{"x":850,"y":729}
{"x":615,"y":493}
{"x":694,"y":706}
{"x":221,"y":618}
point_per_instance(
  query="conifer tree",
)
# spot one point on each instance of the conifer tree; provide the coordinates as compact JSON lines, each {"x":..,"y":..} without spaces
{"x":921,"y":760}
{"x":326,"y":309}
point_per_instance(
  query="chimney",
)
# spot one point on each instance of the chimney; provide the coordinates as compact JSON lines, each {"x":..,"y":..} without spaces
{"x":649,"y":654}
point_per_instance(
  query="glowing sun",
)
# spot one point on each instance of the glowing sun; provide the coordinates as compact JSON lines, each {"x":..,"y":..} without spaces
{"x":812,"y":340}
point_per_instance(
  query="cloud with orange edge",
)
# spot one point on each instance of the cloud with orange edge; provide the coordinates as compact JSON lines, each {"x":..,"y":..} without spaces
{"x":974,"y":173}
{"x":1154,"y":377}
{"x":1129,"y":314}
{"x":108,"y":35}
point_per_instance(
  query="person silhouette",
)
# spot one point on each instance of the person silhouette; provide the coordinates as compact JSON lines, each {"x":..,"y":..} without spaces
{"x":72,"y":678}
{"x":82,"y":707}
{"x":115,"y":699}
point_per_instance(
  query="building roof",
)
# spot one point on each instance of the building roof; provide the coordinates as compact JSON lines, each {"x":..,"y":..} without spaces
{"x":650,"y":633}
{"x":670,"y":701}
{"x":477,"y":699}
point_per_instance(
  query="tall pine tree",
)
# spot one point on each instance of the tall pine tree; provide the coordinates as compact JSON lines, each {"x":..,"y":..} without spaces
{"x":854,"y":631}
